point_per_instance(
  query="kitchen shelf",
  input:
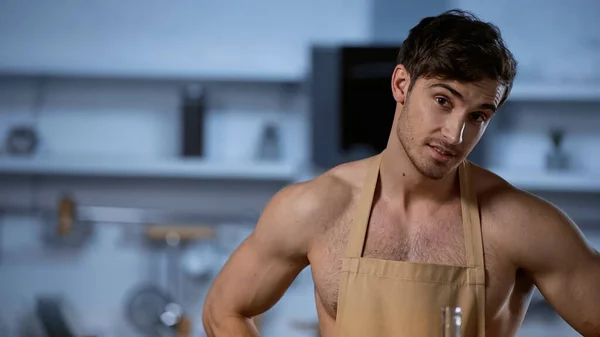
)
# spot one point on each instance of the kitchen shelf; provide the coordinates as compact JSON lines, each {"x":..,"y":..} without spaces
{"x":551,"y":181}
{"x":174,"y":75}
{"x":147,"y":168}
{"x":555,"y":92}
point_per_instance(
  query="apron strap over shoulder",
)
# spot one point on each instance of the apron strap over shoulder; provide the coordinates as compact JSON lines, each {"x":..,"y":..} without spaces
{"x":470,"y":216}
{"x":360,"y":223}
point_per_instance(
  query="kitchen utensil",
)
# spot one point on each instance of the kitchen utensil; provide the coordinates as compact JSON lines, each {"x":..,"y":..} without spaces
{"x":174,"y":236}
{"x":270,"y":144}
{"x":557,"y":159}
{"x":201,"y":261}
{"x":179,"y":232}
{"x":21,"y":140}
{"x":58,"y":317}
{"x":67,"y":231}
{"x":152,"y":311}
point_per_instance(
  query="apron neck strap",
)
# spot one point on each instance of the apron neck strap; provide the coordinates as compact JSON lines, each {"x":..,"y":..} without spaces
{"x":360,"y":223}
{"x":469,"y":206}
{"x":471,"y":220}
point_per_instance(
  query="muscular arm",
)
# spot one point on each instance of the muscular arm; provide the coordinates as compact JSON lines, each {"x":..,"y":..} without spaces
{"x":564,"y":267}
{"x":261,"y":269}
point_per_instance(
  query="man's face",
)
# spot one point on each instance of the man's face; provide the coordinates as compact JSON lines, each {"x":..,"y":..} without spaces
{"x":442,"y":121}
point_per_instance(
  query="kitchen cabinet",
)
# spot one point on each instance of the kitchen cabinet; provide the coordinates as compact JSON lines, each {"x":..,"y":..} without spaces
{"x":252,"y":40}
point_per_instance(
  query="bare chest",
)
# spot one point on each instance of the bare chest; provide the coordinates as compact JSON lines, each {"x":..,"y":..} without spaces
{"x":435,"y":240}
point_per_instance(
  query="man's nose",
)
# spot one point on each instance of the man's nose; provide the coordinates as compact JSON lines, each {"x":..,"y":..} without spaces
{"x":453,"y":130}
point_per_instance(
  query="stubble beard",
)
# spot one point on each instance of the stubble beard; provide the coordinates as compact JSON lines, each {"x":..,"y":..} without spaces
{"x":425,"y":165}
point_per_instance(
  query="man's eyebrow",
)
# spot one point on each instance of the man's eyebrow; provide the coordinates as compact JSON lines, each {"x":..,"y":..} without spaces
{"x":492,"y":107}
{"x":449,"y":88}
{"x":455,"y":92}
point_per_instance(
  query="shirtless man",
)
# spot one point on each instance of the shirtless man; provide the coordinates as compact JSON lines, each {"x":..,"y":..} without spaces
{"x":393,"y":238}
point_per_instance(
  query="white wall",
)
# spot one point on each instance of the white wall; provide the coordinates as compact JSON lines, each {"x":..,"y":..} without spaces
{"x":556,"y":41}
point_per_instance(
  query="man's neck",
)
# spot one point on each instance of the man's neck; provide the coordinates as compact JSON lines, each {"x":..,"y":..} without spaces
{"x":402,"y":182}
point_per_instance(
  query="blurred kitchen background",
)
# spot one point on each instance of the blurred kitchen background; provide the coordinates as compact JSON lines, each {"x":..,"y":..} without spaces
{"x":141,"y":140}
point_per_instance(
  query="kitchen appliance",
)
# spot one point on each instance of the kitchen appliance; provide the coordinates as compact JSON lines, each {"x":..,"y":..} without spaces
{"x":351,"y":106}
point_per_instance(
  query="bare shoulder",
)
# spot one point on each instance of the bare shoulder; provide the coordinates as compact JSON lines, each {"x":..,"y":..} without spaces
{"x":508,"y":203}
{"x":520,"y":220}
{"x":301,"y":211}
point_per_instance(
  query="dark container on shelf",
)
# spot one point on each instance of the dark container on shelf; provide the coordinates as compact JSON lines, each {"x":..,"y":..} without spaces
{"x":192,"y":121}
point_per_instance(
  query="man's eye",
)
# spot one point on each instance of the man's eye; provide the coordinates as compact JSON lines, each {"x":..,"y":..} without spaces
{"x":441,"y":101}
{"x":478,"y":117}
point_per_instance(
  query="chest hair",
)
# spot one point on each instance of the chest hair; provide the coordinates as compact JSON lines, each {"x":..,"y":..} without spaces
{"x":439,"y":240}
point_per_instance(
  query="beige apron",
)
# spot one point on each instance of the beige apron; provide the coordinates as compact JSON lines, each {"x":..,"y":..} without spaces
{"x":380,"y":298}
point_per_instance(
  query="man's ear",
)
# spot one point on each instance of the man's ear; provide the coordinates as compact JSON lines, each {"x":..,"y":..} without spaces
{"x":400,"y":84}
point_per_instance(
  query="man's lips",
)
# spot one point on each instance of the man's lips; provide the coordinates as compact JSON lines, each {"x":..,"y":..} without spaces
{"x":443,"y":150}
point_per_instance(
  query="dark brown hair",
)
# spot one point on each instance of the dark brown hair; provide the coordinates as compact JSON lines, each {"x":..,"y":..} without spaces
{"x":458,"y":46}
